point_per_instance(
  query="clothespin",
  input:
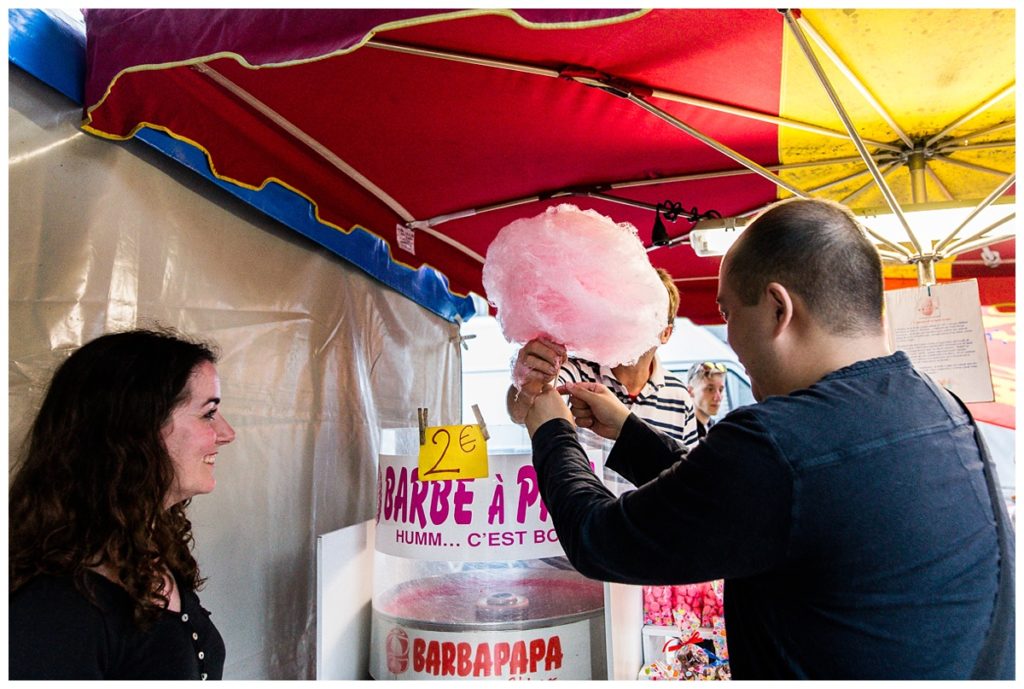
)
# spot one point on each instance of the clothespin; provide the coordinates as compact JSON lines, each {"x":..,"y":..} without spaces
{"x":480,"y":420}
{"x":421,"y":413}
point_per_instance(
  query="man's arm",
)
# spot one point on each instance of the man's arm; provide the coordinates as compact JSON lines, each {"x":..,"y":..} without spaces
{"x":733,"y":493}
{"x":642,"y":452}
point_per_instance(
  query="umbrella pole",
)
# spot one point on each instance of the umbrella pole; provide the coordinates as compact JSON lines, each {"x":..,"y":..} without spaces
{"x":925,"y":271}
{"x":917,"y":165}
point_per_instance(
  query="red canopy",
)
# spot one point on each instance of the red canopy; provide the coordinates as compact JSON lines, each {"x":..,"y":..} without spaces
{"x":416,"y":118}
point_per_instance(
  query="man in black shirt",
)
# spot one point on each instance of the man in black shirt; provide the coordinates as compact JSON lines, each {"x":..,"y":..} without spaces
{"x":853,"y":511}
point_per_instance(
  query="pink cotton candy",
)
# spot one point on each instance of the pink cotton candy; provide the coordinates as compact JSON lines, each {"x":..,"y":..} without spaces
{"x":580,"y":279}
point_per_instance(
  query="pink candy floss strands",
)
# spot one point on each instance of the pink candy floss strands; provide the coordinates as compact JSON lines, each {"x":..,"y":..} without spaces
{"x":578,"y":278}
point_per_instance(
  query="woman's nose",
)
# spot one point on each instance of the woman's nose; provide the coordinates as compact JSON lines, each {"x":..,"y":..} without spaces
{"x":225,"y":433}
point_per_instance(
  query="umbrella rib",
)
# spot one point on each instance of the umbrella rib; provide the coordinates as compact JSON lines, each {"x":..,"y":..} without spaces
{"x":732,"y":173}
{"x":330,"y":157}
{"x":482,"y":61}
{"x":837,"y":182}
{"x":522,"y":200}
{"x":981,"y":132}
{"x":890,"y":198}
{"x":895,"y":258}
{"x":980,"y":108}
{"x":887,"y":169}
{"x":975,"y":147}
{"x":754,"y":115}
{"x":305,"y":138}
{"x":983,"y":241}
{"x":938,"y":182}
{"x":854,"y":80}
{"x":971,"y":166}
{"x":721,"y":148}
{"x":996,"y":193}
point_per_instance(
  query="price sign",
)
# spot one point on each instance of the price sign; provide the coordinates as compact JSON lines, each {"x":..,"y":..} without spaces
{"x":453,"y":452}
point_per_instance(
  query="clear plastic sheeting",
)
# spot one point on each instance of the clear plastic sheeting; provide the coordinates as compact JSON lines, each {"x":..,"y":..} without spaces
{"x":316,"y":357}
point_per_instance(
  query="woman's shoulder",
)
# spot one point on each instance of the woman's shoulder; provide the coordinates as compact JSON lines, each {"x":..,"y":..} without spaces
{"x":56,"y":631}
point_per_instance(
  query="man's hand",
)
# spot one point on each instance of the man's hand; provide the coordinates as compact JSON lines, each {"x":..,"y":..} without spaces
{"x":536,"y":367}
{"x":546,"y":406}
{"x":596,"y":407}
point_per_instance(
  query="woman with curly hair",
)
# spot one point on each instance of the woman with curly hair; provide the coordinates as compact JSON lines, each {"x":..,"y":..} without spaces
{"x":102,"y":579}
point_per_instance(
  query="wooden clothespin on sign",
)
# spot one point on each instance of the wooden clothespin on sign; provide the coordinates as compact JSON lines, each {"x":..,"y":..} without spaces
{"x":421,"y":413}
{"x":480,"y":420}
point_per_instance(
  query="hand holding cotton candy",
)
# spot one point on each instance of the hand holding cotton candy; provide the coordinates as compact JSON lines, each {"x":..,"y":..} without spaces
{"x":578,"y":278}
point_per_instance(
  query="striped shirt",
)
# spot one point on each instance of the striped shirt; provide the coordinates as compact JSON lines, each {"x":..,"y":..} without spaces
{"x":664,"y":403}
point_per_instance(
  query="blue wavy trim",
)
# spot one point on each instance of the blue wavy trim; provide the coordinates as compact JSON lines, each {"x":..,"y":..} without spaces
{"x":50,"y":48}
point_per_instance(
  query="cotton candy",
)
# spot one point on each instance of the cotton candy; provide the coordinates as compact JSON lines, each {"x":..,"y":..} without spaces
{"x":578,"y":278}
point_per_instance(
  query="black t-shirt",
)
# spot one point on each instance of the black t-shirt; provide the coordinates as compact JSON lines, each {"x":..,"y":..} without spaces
{"x":56,"y":633}
{"x":851,"y":521}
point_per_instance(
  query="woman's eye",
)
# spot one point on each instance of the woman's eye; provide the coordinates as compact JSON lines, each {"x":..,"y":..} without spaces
{"x":210,"y":414}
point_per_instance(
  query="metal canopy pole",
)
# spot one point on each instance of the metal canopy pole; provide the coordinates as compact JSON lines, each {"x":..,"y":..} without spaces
{"x":943,"y":148}
{"x":886,"y":170}
{"x":604,"y":186}
{"x":664,"y":94}
{"x":996,"y":193}
{"x":890,"y":199}
{"x":721,"y":148}
{"x":917,"y":166}
{"x":981,"y":132}
{"x":985,"y":241}
{"x":971,"y":166}
{"x":981,"y":107}
{"x":330,"y":157}
{"x":853,"y":79}
{"x":938,"y":182}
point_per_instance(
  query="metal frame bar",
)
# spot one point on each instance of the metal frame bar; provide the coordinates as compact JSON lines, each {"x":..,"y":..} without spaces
{"x":721,"y":148}
{"x":730,"y":173}
{"x":971,"y":166}
{"x":983,"y":242}
{"x":656,"y":92}
{"x":836,"y":182}
{"x":330,"y":157}
{"x":981,"y":132}
{"x":978,"y":236}
{"x":854,"y":79}
{"x":887,"y":169}
{"x":980,"y":108}
{"x":890,"y":198}
{"x":304,"y":138}
{"x":894,"y":258}
{"x":938,"y":182}
{"x":975,"y":147}
{"x":988,"y":200}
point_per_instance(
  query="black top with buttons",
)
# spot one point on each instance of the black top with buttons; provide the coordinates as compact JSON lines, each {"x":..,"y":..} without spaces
{"x":56,"y":633}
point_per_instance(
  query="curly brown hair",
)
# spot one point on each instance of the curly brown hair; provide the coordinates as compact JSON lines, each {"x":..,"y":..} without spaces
{"x":90,"y":484}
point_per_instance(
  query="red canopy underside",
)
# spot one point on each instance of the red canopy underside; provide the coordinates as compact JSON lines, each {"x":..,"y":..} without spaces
{"x":440,"y":136}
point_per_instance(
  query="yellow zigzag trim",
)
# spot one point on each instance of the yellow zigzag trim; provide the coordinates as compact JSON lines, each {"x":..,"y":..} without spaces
{"x":286,"y":185}
{"x":388,"y":26}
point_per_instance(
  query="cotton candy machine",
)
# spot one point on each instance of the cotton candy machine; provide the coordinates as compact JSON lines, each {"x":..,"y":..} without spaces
{"x":469,"y":579}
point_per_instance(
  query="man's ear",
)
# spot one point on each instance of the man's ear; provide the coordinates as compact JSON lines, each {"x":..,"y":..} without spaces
{"x":781,"y":303}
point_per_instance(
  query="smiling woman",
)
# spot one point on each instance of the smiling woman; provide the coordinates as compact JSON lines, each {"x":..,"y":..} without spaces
{"x":101,"y":574}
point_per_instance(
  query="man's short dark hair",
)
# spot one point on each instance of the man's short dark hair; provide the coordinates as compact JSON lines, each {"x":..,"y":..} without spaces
{"x":816,"y":249}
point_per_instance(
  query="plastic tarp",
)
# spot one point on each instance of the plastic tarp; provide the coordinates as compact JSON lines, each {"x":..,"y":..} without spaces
{"x":316,"y":357}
